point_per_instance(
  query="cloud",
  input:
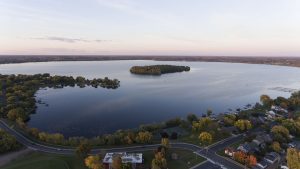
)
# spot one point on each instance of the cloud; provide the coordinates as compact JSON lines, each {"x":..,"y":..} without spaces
{"x":70,"y":40}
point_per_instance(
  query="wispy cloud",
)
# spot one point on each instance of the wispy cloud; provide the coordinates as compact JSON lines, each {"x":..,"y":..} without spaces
{"x":70,"y":40}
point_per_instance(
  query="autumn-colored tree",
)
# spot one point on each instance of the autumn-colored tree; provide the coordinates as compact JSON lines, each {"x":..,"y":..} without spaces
{"x":243,"y":125}
{"x":293,"y":158}
{"x":240,"y":157}
{"x":266,"y":100}
{"x":205,"y":138}
{"x":202,"y":125}
{"x":117,"y":162}
{"x":159,"y":161}
{"x":280,"y":133}
{"x":83,"y":149}
{"x":276,"y":146}
{"x":251,"y":161}
{"x":144,"y":137}
{"x":93,"y":162}
{"x":229,"y":119}
{"x":165,"y":142}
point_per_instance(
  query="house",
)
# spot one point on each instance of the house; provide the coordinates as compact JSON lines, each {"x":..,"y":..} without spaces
{"x":272,"y":157}
{"x":270,"y":161}
{"x":261,"y":139}
{"x":244,"y":148}
{"x":261,"y":165}
{"x":229,"y":151}
{"x":134,"y":158}
{"x":271,"y":114}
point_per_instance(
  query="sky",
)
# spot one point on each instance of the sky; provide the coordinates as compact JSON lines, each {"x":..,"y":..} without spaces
{"x":150,"y":27}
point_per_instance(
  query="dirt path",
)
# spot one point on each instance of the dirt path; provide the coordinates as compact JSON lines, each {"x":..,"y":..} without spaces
{"x":6,"y":158}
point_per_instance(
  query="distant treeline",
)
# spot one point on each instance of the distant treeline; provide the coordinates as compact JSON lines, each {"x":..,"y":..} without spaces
{"x":158,"y":69}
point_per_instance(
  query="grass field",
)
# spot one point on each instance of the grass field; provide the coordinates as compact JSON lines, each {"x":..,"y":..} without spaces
{"x":46,"y":161}
{"x":36,"y":160}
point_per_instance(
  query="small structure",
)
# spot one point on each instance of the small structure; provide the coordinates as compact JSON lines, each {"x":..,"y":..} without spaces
{"x":133,"y":158}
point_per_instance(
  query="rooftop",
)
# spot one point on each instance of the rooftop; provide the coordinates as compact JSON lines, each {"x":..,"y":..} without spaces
{"x":126,"y":157}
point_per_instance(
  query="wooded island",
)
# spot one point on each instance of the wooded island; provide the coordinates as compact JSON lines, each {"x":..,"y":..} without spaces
{"x":158,"y":69}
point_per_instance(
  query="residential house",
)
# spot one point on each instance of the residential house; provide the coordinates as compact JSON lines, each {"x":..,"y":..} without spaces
{"x":229,"y":151}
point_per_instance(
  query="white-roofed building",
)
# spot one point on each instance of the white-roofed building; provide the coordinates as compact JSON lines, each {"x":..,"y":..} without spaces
{"x":133,"y":158}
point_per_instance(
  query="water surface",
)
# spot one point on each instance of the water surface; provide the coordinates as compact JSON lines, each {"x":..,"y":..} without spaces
{"x":140,"y":99}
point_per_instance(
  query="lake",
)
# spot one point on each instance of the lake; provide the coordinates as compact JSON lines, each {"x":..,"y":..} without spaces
{"x":89,"y":111}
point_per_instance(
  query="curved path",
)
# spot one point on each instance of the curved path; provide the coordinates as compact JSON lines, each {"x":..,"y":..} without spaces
{"x":208,"y":153}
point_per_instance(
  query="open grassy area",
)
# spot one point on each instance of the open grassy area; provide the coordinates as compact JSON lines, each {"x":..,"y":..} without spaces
{"x":46,"y":161}
{"x":186,"y":159}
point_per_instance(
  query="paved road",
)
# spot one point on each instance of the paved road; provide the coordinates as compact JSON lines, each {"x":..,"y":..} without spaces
{"x":210,"y":154}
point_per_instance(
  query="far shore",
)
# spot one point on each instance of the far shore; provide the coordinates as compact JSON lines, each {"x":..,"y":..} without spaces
{"x":280,"y":61}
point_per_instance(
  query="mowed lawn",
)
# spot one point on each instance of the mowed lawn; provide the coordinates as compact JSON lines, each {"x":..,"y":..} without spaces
{"x":46,"y":161}
{"x":186,"y":159}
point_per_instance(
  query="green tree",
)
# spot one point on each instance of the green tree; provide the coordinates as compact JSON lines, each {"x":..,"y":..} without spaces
{"x":209,"y":112}
{"x":280,"y":133}
{"x":276,"y":146}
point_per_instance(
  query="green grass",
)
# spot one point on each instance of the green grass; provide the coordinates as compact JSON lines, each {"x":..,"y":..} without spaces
{"x":186,"y":159}
{"x":46,"y":161}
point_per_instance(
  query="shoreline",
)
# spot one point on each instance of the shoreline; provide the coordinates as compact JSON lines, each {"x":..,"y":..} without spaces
{"x":276,"y":61}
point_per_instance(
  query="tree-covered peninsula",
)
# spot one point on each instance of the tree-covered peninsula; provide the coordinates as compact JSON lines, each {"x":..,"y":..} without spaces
{"x":158,"y":69}
{"x":17,"y":92}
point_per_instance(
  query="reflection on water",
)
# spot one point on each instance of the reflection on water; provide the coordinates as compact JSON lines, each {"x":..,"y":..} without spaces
{"x":141,"y":99}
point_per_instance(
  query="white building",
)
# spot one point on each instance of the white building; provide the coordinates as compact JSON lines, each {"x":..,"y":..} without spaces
{"x":133,"y":158}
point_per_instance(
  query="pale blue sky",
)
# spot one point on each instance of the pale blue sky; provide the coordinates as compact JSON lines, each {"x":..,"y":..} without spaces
{"x":151,"y":27}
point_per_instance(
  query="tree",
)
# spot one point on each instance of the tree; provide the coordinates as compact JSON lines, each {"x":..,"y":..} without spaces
{"x":280,"y":133}
{"x":94,"y":162}
{"x":243,"y":125}
{"x":229,"y":119}
{"x":16,"y":113}
{"x":293,"y":158}
{"x":191,"y":118}
{"x":292,"y":125}
{"x":117,"y":162}
{"x":205,"y":138}
{"x":159,"y":161}
{"x":266,"y":100}
{"x":204,"y":124}
{"x":240,"y":157}
{"x":276,"y":146}
{"x":83,"y":149}
{"x":144,"y":137}
{"x":209,"y":112}
{"x":7,"y":142}
{"x":251,"y":161}
{"x":165,"y":142}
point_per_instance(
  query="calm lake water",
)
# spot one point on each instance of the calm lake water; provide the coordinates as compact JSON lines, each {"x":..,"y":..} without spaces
{"x":87,"y":111}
